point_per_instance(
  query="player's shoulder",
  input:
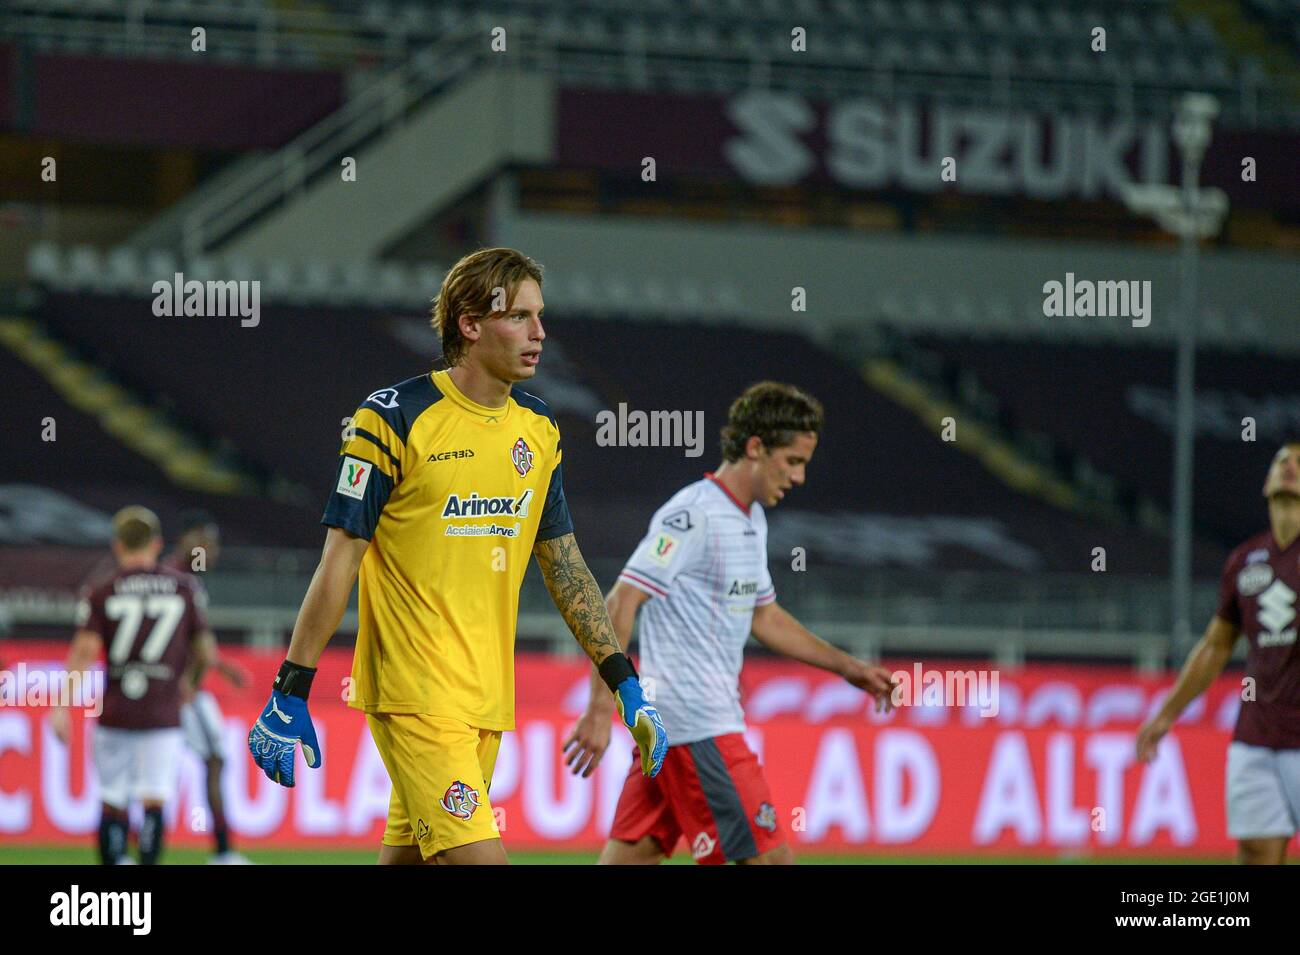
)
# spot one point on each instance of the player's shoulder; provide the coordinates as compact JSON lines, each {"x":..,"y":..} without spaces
{"x":695,"y":493}
{"x":400,"y":404}
{"x":1252,"y":550}
{"x":178,"y":564}
{"x":99,"y":585}
{"x":686,"y":510}
{"x":190,"y":586}
{"x":532,"y":404}
{"x":185,"y":580}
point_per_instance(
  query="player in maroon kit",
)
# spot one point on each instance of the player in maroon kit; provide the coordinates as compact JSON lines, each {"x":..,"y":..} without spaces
{"x":152,"y":618}
{"x":1257,"y":597}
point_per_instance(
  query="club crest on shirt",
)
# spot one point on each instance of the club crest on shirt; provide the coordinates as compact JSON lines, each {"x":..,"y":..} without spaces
{"x":521,"y":456}
{"x":460,"y":800}
{"x":1253,"y":579}
{"x":765,"y":818}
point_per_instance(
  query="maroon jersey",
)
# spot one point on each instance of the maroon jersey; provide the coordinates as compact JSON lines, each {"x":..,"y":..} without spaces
{"x":176,"y":561}
{"x":147,"y":620}
{"x":1258,"y":595}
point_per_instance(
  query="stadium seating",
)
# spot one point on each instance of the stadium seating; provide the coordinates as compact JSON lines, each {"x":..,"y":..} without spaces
{"x":313,"y":366}
{"x":86,"y":466}
{"x":1063,"y":390}
{"x":1150,"y":44}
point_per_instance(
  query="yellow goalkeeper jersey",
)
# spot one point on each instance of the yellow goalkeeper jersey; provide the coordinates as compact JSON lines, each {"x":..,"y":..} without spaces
{"x":451,"y":495}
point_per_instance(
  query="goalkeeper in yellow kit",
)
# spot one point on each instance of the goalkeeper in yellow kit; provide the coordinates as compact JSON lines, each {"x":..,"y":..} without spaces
{"x":446,"y":483}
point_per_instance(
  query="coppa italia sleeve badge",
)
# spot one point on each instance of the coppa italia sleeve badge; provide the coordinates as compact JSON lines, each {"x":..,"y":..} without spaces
{"x":663,"y":549}
{"x":353,"y":477}
{"x":460,"y":800}
{"x":521,"y":455}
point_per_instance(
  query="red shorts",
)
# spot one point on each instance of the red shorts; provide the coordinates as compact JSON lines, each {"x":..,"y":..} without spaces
{"x":712,"y":792}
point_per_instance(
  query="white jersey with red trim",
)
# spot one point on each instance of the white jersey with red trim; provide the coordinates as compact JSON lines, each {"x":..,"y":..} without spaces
{"x":704,"y":564}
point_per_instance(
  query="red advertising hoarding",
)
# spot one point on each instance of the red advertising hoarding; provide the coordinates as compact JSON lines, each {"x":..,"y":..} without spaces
{"x":1040,"y":762}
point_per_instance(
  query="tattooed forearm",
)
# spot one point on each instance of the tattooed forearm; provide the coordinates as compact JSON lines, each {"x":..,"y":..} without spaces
{"x":576,"y":596}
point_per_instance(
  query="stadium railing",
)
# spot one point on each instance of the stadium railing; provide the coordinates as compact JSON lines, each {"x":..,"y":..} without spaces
{"x":1007,"y":617}
{"x":913,"y":49}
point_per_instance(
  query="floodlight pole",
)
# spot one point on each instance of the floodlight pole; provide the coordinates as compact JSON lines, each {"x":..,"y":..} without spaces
{"x":1191,"y":214}
{"x":1184,"y":428}
{"x":1192,"y":134}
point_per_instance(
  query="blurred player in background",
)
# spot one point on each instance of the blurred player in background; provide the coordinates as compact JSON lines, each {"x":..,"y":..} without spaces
{"x":702,"y":573}
{"x":153,"y":619}
{"x":196,"y":552}
{"x":1257,"y":596}
{"x":446,"y":483}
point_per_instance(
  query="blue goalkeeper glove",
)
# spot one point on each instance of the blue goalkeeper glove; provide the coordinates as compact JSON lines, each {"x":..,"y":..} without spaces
{"x":641,"y":719}
{"x":284,"y":724}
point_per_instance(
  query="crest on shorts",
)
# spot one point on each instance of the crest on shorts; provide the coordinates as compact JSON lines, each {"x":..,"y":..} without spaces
{"x":521,"y":455}
{"x":765,"y":818}
{"x":460,"y":800}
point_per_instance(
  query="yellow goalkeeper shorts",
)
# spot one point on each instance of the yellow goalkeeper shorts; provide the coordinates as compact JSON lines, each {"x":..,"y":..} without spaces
{"x":441,"y":770}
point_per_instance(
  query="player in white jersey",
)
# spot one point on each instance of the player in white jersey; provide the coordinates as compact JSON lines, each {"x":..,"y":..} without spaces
{"x":701,"y":573}
{"x":197,"y":551}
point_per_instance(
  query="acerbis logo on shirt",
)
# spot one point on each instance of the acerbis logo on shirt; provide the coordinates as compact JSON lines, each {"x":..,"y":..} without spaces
{"x":679,"y":520}
{"x":449,"y":455}
{"x":384,"y":397}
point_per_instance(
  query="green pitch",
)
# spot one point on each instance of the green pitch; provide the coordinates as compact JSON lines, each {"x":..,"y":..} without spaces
{"x":75,"y":855}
